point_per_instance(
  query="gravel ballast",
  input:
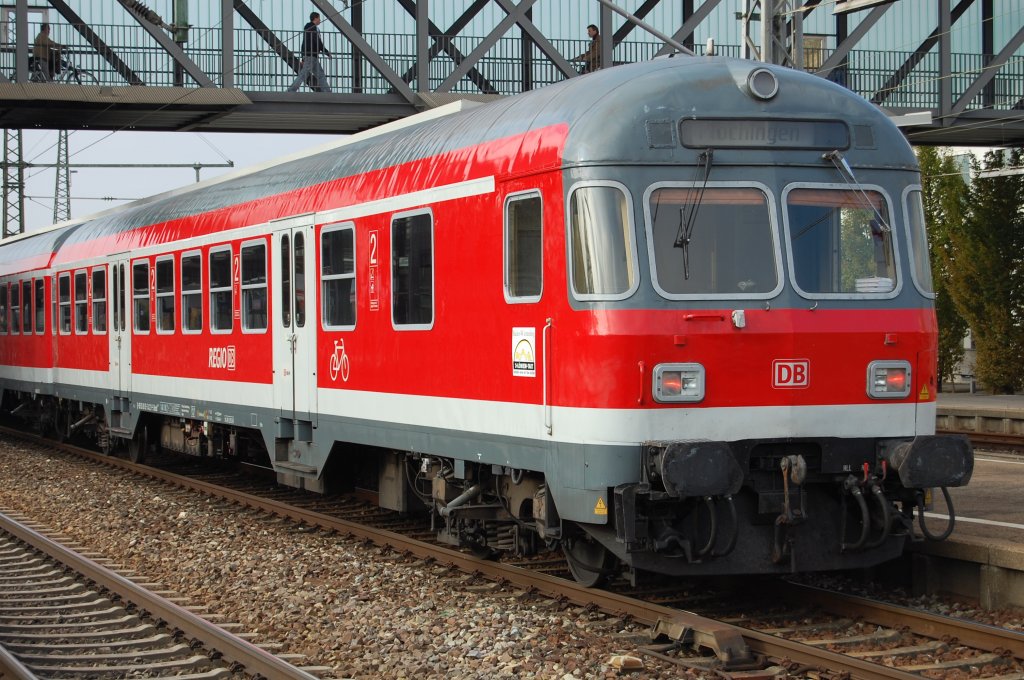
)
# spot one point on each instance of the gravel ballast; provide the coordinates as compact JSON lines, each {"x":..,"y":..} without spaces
{"x":357,"y":609}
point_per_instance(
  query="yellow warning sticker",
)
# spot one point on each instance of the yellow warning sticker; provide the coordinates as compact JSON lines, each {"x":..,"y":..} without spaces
{"x":925,"y":394}
{"x":600,"y":508}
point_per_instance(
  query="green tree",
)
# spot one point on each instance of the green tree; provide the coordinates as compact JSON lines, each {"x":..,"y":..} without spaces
{"x":945,"y":200}
{"x":986,"y":276}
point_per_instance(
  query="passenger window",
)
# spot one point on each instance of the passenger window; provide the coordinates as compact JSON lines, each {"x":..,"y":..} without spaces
{"x":122,"y":283}
{"x":300,"y":280}
{"x":254,"y":287}
{"x":191,"y":293}
{"x":64,"y":297}
{"x":40,"y":305}
{"x":338,"y":277}
{"x":523,"y":248}
{"x":140,"y":296}
{"x":99,"y":300}
{"x":221,"y":303}
{"x":412,"y":271}
{"x":602,"y":249}
{"x":81,"y":303}
{"x":165,"y":297}
{"x":3,"y":308}
{"x":16,"y":308}
{"x":286,"y":282}
{"x":26,"y":307}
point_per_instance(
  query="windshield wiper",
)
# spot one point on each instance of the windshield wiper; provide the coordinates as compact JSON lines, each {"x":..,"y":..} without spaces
{"x":687,"y":223}
{"x":846,"y":172}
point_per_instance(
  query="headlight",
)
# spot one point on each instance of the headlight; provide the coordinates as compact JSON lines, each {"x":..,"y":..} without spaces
{"x":888,"y":379}
{"x":678,"y":382}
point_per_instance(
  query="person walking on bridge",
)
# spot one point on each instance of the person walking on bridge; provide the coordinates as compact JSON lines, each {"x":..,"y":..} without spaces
{"x":312,"y":47}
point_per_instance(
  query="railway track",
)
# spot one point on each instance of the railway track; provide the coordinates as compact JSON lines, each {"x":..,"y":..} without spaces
{"x":814,"y":630}
{"x":63,"y":614}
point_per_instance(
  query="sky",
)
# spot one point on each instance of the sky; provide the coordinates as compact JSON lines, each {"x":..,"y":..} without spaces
{"x":124,"y":184}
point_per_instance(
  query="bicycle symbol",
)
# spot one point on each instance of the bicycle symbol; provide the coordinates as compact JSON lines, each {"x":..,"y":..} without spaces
{"x":339,"y":362}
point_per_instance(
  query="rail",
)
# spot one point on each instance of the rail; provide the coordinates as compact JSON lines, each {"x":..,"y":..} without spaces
{"x":735,"y":645}
{"x":254,"y":659}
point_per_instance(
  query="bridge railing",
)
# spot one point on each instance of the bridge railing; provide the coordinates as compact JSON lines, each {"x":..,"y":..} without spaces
{"x":510,"y":66}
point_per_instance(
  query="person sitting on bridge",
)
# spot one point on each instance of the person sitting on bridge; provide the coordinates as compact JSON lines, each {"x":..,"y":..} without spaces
{"x":47,"y":52}
{"x":312,"y":46}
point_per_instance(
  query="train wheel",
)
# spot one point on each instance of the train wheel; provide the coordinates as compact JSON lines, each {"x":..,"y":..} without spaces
{"x":589,"y":562}
{"x":139,"y":445}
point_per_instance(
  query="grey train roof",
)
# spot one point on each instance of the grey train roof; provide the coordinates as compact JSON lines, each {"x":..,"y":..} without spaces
{"x":609,"y":111}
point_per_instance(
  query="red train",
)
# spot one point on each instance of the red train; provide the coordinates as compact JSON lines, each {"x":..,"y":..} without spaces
{"x":672,"y":317}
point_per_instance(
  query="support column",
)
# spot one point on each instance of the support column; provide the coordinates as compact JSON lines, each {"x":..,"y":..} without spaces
{"x":945,"y":64}
{"x":422,"y":46}
{"x":62,"y":183}
{"x":227,"y":46}
{"x":23,"y":43}
{"x":14,"y":183}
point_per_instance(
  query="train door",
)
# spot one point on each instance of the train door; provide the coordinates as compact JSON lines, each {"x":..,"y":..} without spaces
{"x":293,"y":267}
{"x":119,"y":332}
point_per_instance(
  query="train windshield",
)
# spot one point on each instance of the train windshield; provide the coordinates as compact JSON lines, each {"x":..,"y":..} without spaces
{"x":841,"y":241}
{"x":716,"y":241}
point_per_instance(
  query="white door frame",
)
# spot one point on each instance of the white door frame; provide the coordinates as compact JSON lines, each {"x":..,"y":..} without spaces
{"x":119,"y":324}
{"x":294,"y":318}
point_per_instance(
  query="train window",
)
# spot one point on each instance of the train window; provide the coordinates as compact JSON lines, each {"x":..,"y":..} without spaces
{"x":26,"y":307}
{"x":711,"y":242}
{"x":338,"y":277}
{"x":299,"y":273}
{"x":221,"y":303}
{"x":165,"y":297}
{"x":99,"y":300}
{"x":64,"y":299}
{"x":603,"y":253}
{"x":16,"y":308}
{"x":840,"y":241}
{"x":40,"y":305}
{"x":523,"y":247}
{"x":81,"y":303}
{"x":140,"y":296}
{"x":286,"y":282}
{"x":191,"y":293}
{"x":914,"y":207}
{"x":254,"y":287}
{"x":3,"y":308}
{"x":412,"y":271}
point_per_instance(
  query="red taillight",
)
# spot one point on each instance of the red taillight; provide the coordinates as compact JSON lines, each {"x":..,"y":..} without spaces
{"x":889,"y":379}
{"x":896,"y":380}
{"x":672,"y":383}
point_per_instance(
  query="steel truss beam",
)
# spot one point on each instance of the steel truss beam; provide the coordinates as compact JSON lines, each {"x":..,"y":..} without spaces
{"x":169,"y":46}
{"x":97,"y":43}
{"x":971,"y":108}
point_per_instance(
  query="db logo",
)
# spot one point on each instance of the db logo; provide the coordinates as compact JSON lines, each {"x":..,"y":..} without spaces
{"x":791,"y":373}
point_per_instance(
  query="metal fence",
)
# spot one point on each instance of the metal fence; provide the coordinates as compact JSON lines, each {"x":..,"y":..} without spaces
{"x":512,"y":65}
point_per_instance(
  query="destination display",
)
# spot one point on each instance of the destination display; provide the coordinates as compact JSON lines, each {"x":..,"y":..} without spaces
{"x":751,"y":134}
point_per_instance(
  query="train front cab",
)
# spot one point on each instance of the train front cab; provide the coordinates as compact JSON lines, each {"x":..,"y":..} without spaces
{"x":787,"y":360}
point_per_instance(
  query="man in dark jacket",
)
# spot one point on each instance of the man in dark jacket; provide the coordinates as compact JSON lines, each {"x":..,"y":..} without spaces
{"x":312,"y":47}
